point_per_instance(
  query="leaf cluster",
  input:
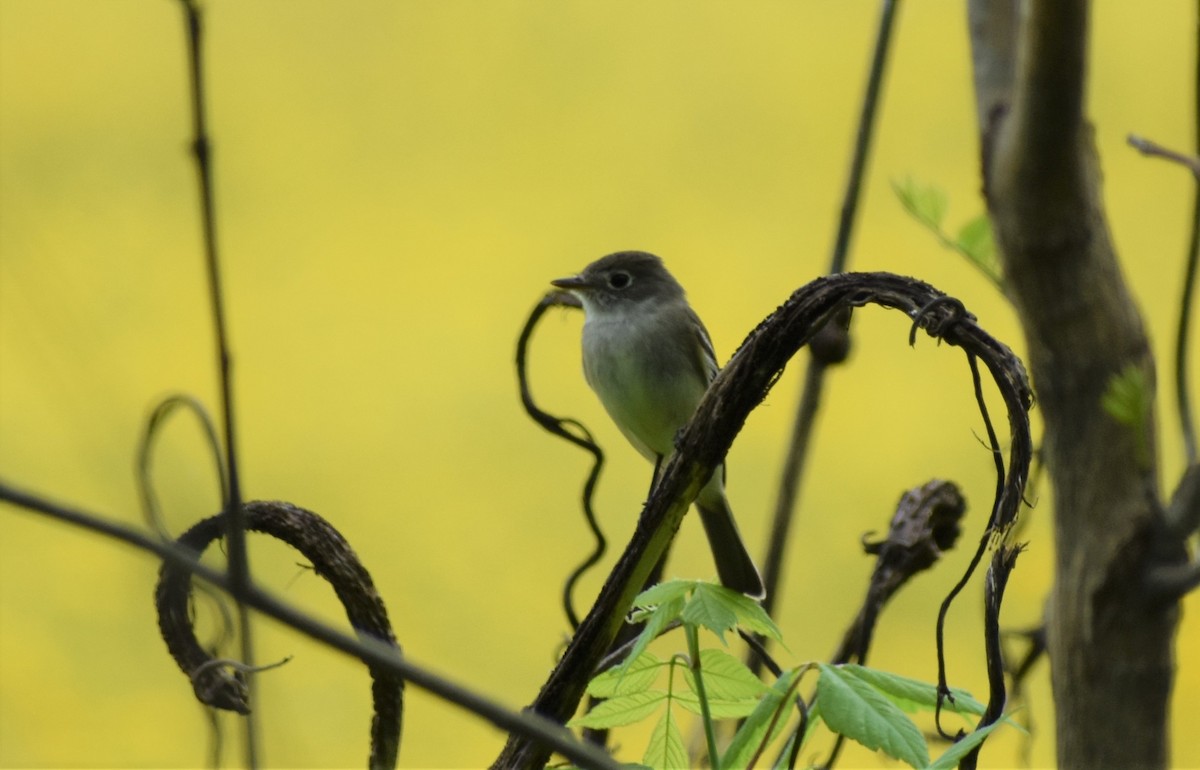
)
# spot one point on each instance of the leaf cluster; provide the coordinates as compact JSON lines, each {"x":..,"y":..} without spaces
{"x":865,"y":705}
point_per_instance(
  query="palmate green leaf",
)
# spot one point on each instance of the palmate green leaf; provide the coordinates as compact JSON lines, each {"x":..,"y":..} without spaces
{"x":638,"y":676}
{"x":731,"y":688}
{"x":622,"y":710}
{"x":720,"y":609}
{"x":753,"y":732}
{"x":854,"y":708}
{"x":912,"y":694}
{"x":725,"y":676}
{"x":665,"y":750}
{"x":711,"y":607}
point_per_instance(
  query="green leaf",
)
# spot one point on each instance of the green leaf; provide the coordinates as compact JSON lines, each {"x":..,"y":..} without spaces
{"x":663,"y":593}
{"x":912,"y":694}
{"x":926,"y":203}
{"x":637,"y":676}
{"x":623,"y":710}
{"x":656,"y":620}
{"x":732,"y":690}
{"x":718,"y":708}
{"x":975,"y":242}
{"x":665,"y":750}
{"x":855,"y":709}
{"x":725,"y":677}
{"x":712,"y":606}
{"x":772,"y":713}
{"x":751,"y":616}
{"x":1128,"y":400}
{"x":955,"y":753}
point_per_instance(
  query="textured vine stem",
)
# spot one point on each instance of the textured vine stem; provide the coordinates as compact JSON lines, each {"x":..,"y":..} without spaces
{"x":569,"y":430}
{"x":1004,"y":560}
{"x":332,"y":559}
{"x":703,"y":443}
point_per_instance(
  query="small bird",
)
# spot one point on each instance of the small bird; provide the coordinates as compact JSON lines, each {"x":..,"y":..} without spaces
{"x":649,"y":358}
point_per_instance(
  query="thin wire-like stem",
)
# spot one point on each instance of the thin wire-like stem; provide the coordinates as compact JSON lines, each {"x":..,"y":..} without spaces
{"x":810,"y":398}
{"x":1183,"y":398}
{"x":1189,"y":286}
{"x":1182,"y":389}
{"x":373,"y":652}
{"x":239,"y":563}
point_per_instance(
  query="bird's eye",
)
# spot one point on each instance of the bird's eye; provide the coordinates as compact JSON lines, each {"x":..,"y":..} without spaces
{"x":619,"y":280}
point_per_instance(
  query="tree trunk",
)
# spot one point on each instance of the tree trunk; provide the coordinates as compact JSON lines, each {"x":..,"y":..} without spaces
{"x":1110,"y":643}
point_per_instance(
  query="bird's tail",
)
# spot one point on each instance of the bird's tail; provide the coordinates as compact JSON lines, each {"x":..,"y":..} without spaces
{"x":734,"y":565}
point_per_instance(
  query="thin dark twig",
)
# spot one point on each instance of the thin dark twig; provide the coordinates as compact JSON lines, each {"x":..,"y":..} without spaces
{"x":760,"y":649}
{"x":1003,"y":563}
{"x":814,"y":378}
{"x":559,"y":427}
{"x":371,"y":651}
{"x":1191,"y":261}
{"x":998,"y":519}
{"x":1153,"y":149}
{"x":863,"y":134}
{"x":202,"y":150}
{"x":154,"y":423}
{"x":1183,"y":398}
{"x":801,"y":728}
{"x":227,"y":625}
{"x":239,"y":563}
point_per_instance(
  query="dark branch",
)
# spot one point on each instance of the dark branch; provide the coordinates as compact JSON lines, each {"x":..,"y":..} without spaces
{"x":154,"y":424}
{"x":1153,"y":149}
{"x":926,"y":524}
{"x":239,"y":562}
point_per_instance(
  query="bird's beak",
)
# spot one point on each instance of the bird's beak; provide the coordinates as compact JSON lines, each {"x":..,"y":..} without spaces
{"x":570,"y":283}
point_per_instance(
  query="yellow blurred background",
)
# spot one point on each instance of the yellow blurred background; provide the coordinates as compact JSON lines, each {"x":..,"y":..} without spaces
{"x":396,"y":183}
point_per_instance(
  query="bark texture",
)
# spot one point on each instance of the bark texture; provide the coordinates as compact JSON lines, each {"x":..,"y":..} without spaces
{"x":1110,"y":644}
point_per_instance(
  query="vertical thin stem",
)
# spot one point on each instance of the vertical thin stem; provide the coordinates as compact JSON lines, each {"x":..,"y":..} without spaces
{"x":710,"y":735}
{"x":239,"y":565}
{"x":1182,"y":398}
{"x":810,"y":398}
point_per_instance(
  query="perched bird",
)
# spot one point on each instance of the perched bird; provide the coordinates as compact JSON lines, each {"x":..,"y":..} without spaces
{"x":648,"y":357}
